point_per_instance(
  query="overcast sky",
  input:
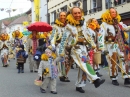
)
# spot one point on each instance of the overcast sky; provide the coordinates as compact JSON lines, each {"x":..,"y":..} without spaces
{"x":21,"y":6}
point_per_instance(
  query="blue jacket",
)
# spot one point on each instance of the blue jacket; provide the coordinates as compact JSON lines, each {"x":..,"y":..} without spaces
{"x":23,"y":53}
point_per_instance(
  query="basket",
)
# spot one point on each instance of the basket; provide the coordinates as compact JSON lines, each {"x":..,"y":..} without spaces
{"x":11,"y":56}
{"x":38,"y":82}
{"x":97,"y":57}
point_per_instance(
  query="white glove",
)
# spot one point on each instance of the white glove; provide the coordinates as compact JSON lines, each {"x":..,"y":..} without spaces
{"x":36,"y":57}
{"x":53,"y":46}
{"x":26,"y":53}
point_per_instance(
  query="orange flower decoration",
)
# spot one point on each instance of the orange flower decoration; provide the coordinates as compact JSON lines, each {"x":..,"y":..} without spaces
{"x":92,"y":26}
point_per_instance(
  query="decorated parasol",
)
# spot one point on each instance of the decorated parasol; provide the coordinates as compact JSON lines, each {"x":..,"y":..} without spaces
{"x":40,"y":27}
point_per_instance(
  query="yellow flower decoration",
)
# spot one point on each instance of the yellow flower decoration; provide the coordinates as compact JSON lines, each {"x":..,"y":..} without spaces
{"x":37,"y":36}
{"x":58,"y":23}
{"x":106,"y":17}
{"x":72,"y":21}
{"x":45,"y":57}
{"x":126,"y":35}
{"x":14,"y":35}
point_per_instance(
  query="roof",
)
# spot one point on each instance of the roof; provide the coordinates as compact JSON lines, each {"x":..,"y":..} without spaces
{"x":19,"y":20}
{"x":6,"y":22}
{"x":29,"y":11}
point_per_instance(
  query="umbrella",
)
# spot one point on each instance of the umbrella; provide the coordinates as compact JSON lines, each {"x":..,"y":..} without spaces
{"x":40,"y":27}
{"x":26,"y":33}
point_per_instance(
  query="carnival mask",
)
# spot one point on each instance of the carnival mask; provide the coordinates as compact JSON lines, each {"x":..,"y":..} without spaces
{"x":77,"y":14}
{"x":3,"y":37}
{"x":95,"y":21}
{"x":17,"y":33}
{"x":62,"y":17}
{"x":113,"y":13}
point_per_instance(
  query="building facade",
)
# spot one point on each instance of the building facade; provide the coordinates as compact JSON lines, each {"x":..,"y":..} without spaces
{"x":42,"y":7}
{"x":91,"y":8}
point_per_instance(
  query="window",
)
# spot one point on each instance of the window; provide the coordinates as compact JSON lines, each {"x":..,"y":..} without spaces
{"x":96,"y":5}
{"x":64,"y":8}
{"x":108,"y":4}
{"x":52,"y":17}
{"x":76,"y":4}
{"x":118,"y":2}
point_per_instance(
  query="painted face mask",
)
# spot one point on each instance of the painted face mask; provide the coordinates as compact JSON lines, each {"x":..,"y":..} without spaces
{"x":62,"y":17}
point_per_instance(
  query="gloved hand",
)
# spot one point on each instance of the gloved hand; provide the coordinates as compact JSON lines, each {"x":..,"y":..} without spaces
{"x":36,"y":57}
{"x":53,"y":46}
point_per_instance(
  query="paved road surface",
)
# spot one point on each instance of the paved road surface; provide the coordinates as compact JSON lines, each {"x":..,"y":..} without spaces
{"x":13,"y":84}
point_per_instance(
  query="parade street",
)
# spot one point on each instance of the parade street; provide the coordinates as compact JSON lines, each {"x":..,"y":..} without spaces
{"x":13,"y":84}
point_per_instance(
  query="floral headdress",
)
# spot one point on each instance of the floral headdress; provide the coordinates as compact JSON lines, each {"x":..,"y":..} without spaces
{"x":106,"y":17}
{"x":20,"y":34}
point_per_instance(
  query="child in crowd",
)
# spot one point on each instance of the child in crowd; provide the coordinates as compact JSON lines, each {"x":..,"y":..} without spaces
{"x":21,"y":55}
{"x":48,"y":71}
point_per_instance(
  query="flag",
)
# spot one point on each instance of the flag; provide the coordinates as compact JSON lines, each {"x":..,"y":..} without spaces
{"x":36,"y":7}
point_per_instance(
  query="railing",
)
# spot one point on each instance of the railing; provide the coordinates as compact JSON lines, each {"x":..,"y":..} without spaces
{"x":120,"y":3}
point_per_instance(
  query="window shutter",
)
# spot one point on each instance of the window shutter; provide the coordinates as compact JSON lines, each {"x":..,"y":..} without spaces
{"x":99,"y":5}
{"x":48,"y":18}
{"x":85,"y":7}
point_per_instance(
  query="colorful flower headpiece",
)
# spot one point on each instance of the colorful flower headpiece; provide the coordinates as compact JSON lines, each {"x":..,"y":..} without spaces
{"x":14,"y":34}
{"x":106,"y":17}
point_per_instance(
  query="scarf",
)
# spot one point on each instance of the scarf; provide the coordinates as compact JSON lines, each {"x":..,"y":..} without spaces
{"x":34,"y":45}
{"x":53,"y":69}
{"x":119,"y":35}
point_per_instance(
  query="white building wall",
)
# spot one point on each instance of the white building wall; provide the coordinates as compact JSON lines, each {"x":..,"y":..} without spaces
{"x":57,"y":4}
{"x":33,"y":12}
{"x":43,"y":10}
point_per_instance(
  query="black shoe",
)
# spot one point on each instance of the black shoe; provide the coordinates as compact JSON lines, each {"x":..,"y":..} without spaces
{"x":42,"y":90}
{"x":35,"y":71}
{"x":80,"y":89}
{"x":98,"y":82}
{"x":22,"y":71}
{"x":115,"y":82}
{"x":66,"y":79}
{"x":98,"y":74}
{"x":72,"y":67}
{"x":53,"y":92}
{"x":127,"y":82}
{"x":31,"y":70}
{"x":18,"y":70}
{"x":62,"y":78}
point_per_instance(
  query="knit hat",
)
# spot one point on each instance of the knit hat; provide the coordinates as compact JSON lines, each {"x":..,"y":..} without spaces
{"x":22,"y":46}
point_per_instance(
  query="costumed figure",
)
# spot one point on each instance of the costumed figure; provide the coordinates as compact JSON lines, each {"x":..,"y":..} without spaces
{"x":4,"y":48}
{"x":43,"y":44}
{"x":111,"y":41}
{"x":17,"y":35}
{"x":31,"y":47}
{"x":48,"y":71}
{"x":57,"y":34}
{"x":77,"y":38}
{"x":94,"y":54}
